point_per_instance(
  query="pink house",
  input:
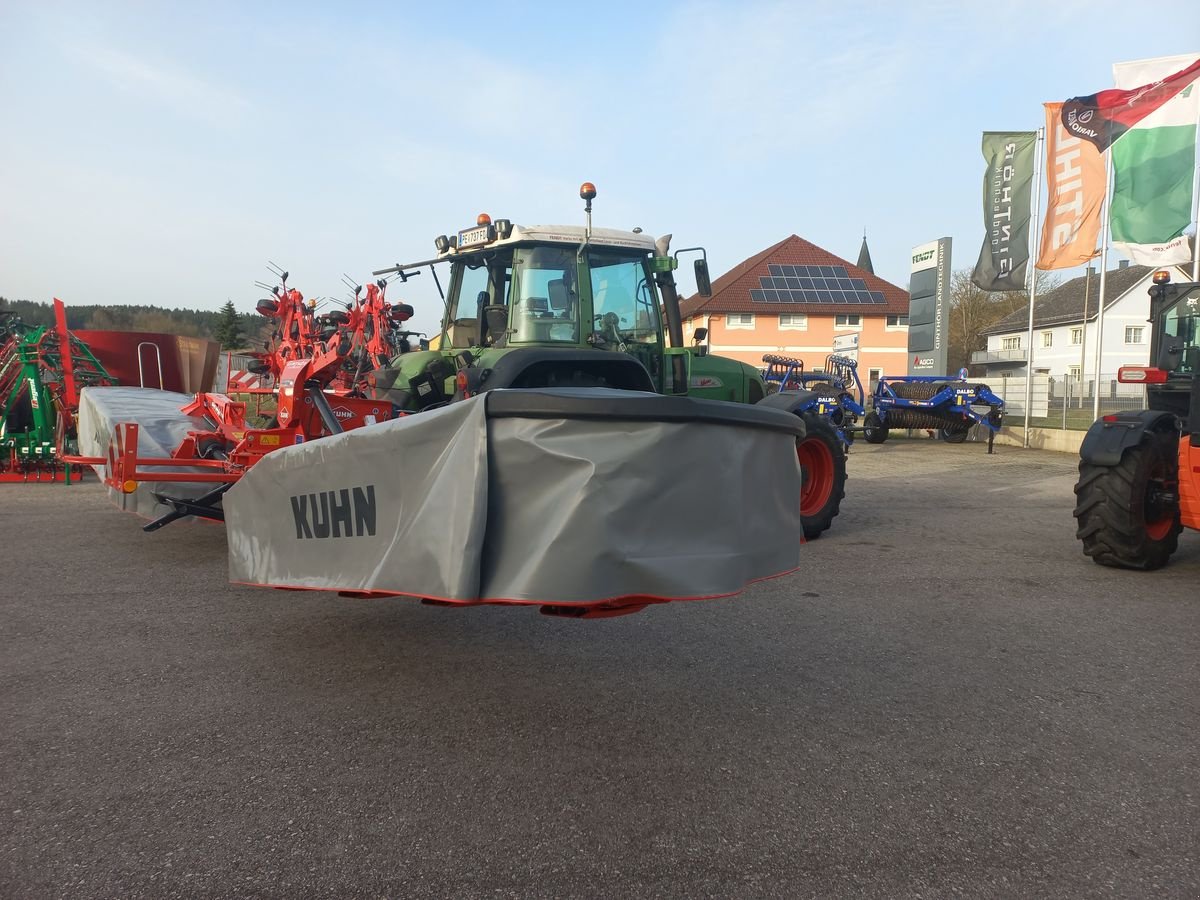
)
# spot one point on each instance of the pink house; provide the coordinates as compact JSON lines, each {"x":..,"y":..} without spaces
{"x":793,"y":299}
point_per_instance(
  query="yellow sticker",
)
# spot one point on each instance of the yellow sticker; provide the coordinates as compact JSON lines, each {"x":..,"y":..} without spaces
{"x":269,"y":440}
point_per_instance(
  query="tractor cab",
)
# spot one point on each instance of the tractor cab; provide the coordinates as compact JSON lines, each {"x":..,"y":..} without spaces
{"x":555,"y":288}
{"x":1174,"y":346}
{"x":533,"y":306}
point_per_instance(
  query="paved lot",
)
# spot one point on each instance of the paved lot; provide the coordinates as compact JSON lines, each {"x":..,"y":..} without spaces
{"x":949,"y":698}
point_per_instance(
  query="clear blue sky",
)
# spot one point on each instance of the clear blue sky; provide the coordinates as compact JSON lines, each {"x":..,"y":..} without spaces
{"x":157,"y":153}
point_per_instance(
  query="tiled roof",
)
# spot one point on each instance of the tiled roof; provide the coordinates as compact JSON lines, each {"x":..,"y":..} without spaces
{"x":731,"y":292}
{"x":1065,"y":303}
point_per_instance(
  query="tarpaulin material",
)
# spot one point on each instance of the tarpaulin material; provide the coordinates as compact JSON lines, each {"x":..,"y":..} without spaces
{"x":563,"y":497}
{"x":161,"y":428}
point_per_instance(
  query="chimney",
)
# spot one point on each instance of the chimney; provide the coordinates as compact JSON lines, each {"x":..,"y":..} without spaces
{"x":1091,"y":270}
{"x":1123,"y":264}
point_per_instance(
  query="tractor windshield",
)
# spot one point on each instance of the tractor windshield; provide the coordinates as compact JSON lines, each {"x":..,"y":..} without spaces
{"x":545,"y":298}
{"x":1180,"y":322}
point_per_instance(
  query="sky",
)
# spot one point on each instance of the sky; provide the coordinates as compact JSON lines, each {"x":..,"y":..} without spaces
{"x":161,"y":154}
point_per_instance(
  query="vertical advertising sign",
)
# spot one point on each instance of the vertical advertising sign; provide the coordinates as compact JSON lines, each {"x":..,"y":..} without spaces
{"x":1007,"y":185}
{"x":928,"y":308}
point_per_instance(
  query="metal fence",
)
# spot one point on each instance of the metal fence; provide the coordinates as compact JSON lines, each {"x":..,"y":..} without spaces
{"x":1065,"y":403}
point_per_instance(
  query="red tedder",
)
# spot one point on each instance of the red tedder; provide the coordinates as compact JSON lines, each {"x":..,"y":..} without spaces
{"x":318,"y":364}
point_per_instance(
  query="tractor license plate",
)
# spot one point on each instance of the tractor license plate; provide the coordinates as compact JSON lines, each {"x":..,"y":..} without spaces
{"x":469,"y":237}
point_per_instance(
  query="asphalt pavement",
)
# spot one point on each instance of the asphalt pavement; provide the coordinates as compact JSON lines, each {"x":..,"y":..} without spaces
{"x":947,"y":699}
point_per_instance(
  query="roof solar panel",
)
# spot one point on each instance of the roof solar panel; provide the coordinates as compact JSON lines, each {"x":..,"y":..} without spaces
{"x":775,"y":270}
{"x":877,"y":297}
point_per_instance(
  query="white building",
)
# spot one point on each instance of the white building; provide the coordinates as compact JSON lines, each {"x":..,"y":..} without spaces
{"x":1065,"y":328}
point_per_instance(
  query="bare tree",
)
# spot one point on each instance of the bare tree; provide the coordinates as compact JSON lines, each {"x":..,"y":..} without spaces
{"x":973,"y":311}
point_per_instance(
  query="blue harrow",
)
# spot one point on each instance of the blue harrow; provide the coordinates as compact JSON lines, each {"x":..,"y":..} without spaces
{"x":835,"y":392}
{"x":947,"y":405}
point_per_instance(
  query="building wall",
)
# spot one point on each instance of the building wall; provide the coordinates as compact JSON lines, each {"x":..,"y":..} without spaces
{"x":879,"y":346}
{"x":1132,"y":309}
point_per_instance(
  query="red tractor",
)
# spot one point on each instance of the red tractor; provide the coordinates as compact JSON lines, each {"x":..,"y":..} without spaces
{"x":1139,"y":472}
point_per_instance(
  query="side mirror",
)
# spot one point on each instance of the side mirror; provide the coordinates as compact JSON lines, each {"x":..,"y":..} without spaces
{"x":700,"y":335}
{"x":703,"y":284}
{"x":497,"y":322}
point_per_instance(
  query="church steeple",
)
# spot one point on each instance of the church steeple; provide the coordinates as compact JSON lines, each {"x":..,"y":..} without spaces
{"x":864,"y":256}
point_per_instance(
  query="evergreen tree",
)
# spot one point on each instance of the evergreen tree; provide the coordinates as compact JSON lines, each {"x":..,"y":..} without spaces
{"x":228,"y":329}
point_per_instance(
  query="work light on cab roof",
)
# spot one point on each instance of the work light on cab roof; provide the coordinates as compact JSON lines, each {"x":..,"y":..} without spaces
{"x":1162,"y":276}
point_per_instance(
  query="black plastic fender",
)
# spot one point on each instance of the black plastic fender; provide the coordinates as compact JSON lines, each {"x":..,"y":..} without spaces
{"x":1108,"y":439}
{"x":790,"y":401}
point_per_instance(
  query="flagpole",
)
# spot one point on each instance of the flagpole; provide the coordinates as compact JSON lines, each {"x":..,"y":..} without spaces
{"x":1037,"y":210}
{"x":1196,"y":211}
{"x":1104,"y":230}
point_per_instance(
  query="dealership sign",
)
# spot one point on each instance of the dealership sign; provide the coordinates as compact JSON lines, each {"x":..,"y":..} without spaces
{"x":928,"y":308}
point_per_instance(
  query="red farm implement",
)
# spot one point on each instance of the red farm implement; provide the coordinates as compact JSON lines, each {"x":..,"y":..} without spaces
{"x":42,"y":370}
{"x":208,"y":439}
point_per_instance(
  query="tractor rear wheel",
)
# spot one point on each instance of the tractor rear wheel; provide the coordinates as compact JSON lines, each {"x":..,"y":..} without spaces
{"x":1129,"y":513}
{"x":823,"y":473}
{"x":873,"y":428}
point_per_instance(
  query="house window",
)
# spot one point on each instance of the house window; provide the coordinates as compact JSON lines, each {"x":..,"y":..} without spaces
{"x":1047,"y":338}
{"x":740,"y":320}
{"x":1074,"y":373}
{"x":847,"y":320}
{"x":873,"y":376}
{"x":897,"y":321}
{"x":1010,"y":343}
{"x":1133,"y":334}
{"x":1076,"y":336}
{"x":793,"y":320}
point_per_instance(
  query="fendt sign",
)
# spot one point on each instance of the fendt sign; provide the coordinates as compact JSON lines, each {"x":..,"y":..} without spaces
{"x":928,"y":308}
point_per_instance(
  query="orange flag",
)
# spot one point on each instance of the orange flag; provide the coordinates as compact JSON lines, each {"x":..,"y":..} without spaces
{"x":1076,"y":181}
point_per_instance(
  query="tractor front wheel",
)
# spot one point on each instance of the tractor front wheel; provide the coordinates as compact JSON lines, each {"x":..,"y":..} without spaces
{"x":823,"y":473}
{"x":1129,"y":513}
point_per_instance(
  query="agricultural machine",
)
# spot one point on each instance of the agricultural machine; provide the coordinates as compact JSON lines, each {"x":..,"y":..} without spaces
{"x":946,"y":405}
{"x":572,"y":307}
{"x":42,"y":370}
{"x":1139,"y":471}
{"x":537,"y":453}
{"x":366,"y":335}
{"x":835,"y":391}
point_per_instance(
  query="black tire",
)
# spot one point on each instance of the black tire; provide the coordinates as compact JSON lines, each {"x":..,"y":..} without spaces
{"x":953,"y":436}
{"x":873,"y":428}
{"x":823,"y":463}
{"x":1123,"y":519}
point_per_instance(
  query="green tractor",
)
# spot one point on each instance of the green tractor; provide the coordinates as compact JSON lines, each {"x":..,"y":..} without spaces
{"x":583,"y":307}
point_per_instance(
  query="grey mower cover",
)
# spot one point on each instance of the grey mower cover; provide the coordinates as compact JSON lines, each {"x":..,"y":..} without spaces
{"x":570,"y":497}
{"x":161,"y":428}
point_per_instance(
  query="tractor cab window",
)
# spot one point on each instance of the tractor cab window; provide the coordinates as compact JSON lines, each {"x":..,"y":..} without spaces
{"x":1182,"y":321}
{"x":623,"y":301}
{"x":477,"y":281}
{"x":545,"y":296}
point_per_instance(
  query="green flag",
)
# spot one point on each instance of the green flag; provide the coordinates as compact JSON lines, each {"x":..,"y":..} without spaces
{"x":1007,"y":183}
